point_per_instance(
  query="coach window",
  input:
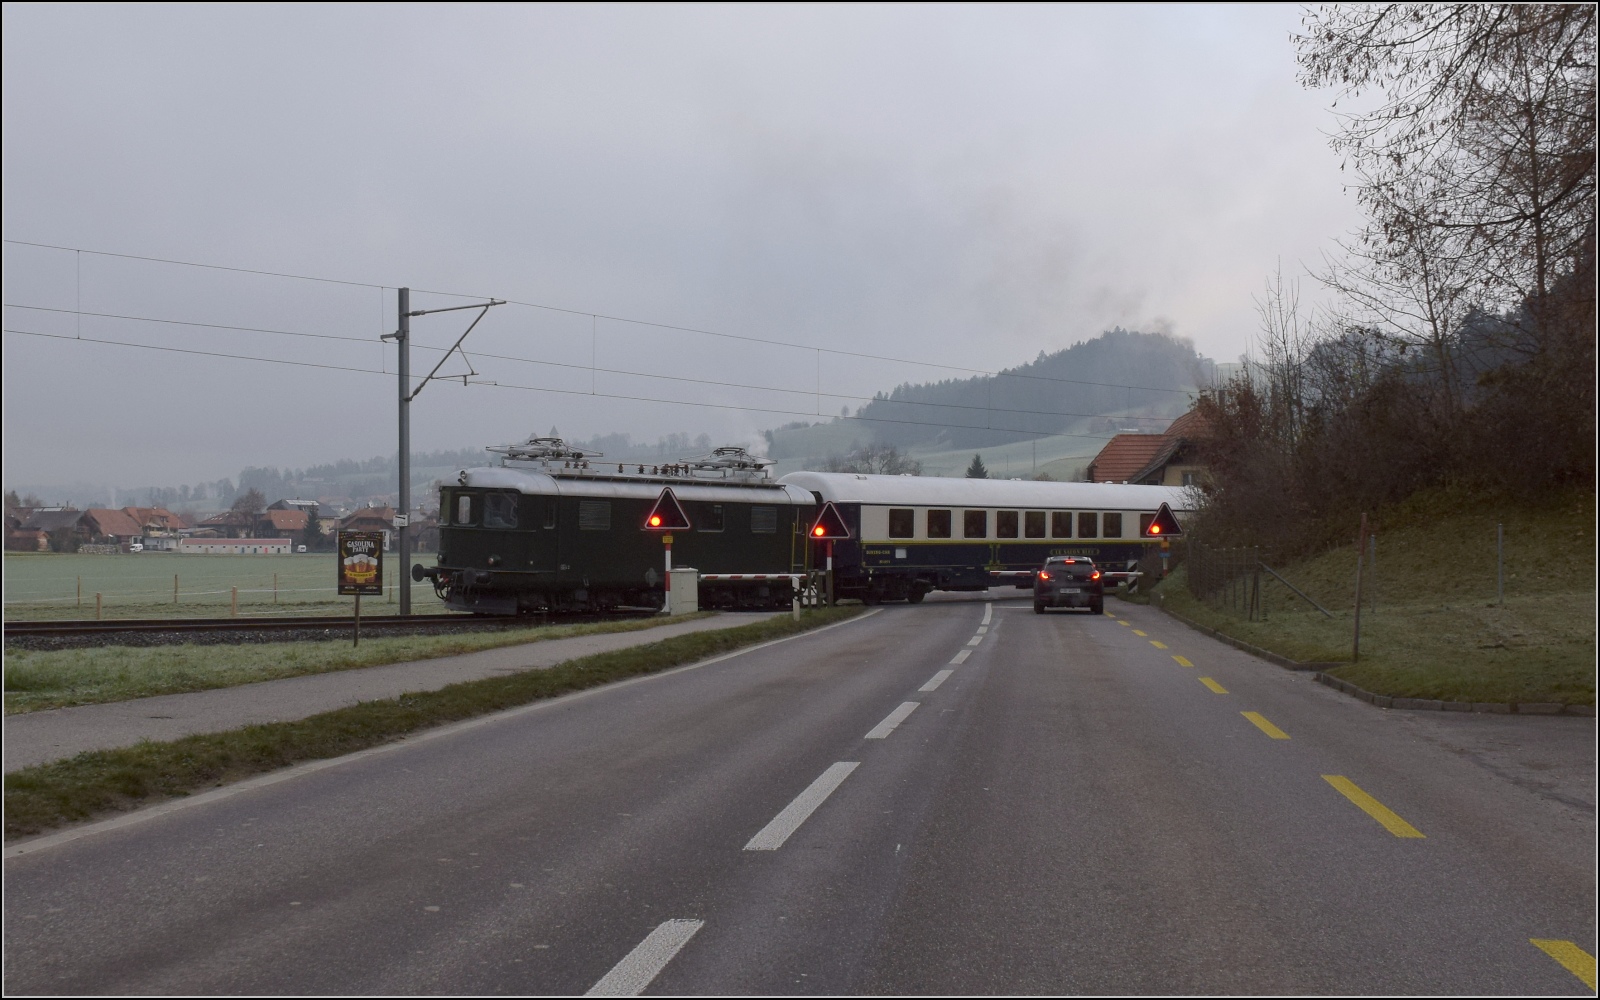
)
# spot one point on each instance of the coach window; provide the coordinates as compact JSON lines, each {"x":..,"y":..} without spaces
{"x":1005,"y":524}
{"x":1088,"y":524}
{"x":1033,"y":524}
{"x":1145,"y":521}
{"x":712,"y":520}
{"x":1111,"y":525}
{"x":938,"y":524}
{"x":500,"y":510}
{"x":1061,"y":524}
{"x":463,"y":510}
{"x":975,"y":524}
{"x":902,"y":522}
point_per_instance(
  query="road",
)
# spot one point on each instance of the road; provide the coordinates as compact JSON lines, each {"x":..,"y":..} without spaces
{"x":958,"y":797}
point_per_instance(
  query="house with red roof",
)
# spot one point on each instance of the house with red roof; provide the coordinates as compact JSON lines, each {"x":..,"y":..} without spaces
{"x":1170,"y":458}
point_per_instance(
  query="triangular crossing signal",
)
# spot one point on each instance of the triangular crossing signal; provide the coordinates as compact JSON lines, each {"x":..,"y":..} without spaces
{"x":667,"y":514}
{"x":1164,"y":524}
{"x":830,"y":524}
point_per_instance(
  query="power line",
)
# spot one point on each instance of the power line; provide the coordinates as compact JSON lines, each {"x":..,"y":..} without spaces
{"x":563,"y":392}
{"x":591,"y":368}
{"x":190,"y":263}
{"x":622,"y":319}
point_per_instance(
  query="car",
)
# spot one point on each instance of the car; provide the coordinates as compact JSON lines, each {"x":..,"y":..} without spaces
{"x":1069,"y":582}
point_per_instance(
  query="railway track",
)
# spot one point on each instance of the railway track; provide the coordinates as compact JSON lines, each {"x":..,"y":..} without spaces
{"x":168,"y":631}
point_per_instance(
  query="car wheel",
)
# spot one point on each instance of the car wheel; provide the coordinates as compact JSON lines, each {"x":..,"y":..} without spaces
{"x":1038,"y":607}
{"x":1097,"y":608}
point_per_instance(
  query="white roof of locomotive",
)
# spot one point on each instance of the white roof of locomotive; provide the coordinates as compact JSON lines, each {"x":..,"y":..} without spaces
{"x":604,"y":486}
{"x":936,"y":491}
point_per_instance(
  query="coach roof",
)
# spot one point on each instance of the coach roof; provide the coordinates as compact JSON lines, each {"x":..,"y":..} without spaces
{"x":932,"y":491}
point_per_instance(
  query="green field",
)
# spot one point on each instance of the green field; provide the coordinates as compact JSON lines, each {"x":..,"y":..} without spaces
{"x":48,"y":585}
{"x":1433,"y":626}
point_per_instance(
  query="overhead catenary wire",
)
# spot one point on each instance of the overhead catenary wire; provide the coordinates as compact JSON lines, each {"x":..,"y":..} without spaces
{"x":564,"y":392}
{"x":592,"y":368}
{"x":654,"y":324}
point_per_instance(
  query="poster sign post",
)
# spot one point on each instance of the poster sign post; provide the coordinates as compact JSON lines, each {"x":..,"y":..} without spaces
{"x":360,"y":568}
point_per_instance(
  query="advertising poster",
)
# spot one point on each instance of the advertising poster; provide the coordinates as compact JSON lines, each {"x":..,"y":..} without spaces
{"x":360,"y":562}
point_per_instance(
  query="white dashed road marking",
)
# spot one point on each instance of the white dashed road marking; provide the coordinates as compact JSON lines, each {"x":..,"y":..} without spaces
{"x":975,"y":640}
{"x":894,"y":718}
{"x":787,"y":822}
{"x":961,"y":657}
{"x":936,"y":680}
{"x":629,"y":977}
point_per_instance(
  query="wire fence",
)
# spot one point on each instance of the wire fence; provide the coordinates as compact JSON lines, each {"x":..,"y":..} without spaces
{"x":1228,"y":579}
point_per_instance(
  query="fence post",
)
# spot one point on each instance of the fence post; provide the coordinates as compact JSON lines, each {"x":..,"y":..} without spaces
{"x":1500,"y":564}
{"x":233,"y":608}
{"x":174,"y":588}
{"x":1372,"y":568}
{"x":97,"y":607}
{"x":274,"y":588}
{"x":1361,"y":546}
{"x":80,"y":591}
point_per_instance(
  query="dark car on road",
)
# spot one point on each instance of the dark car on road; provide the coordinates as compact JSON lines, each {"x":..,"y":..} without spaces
{"x":1069,"y":582}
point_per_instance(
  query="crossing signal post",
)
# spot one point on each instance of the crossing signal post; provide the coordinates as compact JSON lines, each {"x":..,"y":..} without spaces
{"x":1164,"y":526}
{"x":829,"y":527}
{"x":666,"y":517}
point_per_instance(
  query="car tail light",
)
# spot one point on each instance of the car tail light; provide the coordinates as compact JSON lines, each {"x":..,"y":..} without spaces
{"x":1043,"y":575}
{"x":1095,"y":575}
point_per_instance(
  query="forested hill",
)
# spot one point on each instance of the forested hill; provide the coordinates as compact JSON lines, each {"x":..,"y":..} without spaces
{"x":1116,"y":378}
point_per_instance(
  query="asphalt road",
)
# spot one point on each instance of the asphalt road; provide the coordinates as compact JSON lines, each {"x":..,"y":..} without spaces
{"x":956,"y":797}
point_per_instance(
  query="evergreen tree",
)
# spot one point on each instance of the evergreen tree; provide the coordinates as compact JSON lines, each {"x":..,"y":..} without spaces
{"x":977,"y":470}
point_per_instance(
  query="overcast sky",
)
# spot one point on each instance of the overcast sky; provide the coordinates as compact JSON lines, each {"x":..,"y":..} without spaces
{"x":962,"y":185}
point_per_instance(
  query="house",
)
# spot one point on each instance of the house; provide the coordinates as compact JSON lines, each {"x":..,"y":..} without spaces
{"x":228,"y":524}
{"x":1170,"y":458}
{"x":372,"y":519}
{"x":236,"y":546}
{"x":281,"y":523}
{"x":106,"y":526}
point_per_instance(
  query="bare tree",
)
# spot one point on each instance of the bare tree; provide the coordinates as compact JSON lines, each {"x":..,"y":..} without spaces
{"x":874,"y":459}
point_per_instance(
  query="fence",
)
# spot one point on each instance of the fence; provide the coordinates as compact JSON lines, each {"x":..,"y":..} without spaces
{"x":1228,"y":579}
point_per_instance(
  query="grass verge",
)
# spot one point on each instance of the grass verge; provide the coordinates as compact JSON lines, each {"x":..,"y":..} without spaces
{"x":101,"y":781}
{"x":1438,"y":630}
{"x":37,"y":680}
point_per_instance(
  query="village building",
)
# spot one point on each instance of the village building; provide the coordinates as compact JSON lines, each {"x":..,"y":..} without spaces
{"x":1170,"y":458}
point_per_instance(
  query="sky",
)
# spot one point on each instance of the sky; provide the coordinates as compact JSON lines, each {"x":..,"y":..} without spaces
{"x":960,"y":186}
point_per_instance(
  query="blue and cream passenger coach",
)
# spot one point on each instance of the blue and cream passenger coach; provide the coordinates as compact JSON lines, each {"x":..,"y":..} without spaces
{"x":913,"y":534}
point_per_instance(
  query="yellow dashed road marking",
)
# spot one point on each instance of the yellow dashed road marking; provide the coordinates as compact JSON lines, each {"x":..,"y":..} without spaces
{"x":1213,"y":685}
{"x":1157,"y":643}
{"x":1121,"y":622}
{"x":1181,"y":661}
{"x":1137,"y":632}
{"x":1372,"y":807}
{"x":1265,"y":726}
{"x":1572,"y":958}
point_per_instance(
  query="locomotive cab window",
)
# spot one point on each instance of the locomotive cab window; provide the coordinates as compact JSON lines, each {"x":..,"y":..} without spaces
{"x":463,"y":510}
{"x":550,"y":513}
{"x":500,"y":510}
{"x":1033,"y":524}
{"x":1088,"y":524}
{"x":938,"y":524}
{"x":902,"y":523}
{"x":712,"y":519}
{"x":1061,"y":524}
{"x":1005,"y":524}
{"x":975,"y":524}
{"x":1111,"y":525}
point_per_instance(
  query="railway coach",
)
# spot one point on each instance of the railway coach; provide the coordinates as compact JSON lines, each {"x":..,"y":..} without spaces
{"x":555,"y":529}
{"x":910,"y":534}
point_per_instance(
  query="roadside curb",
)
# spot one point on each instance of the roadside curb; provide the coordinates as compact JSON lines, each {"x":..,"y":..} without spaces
{"x":1319,"y":674}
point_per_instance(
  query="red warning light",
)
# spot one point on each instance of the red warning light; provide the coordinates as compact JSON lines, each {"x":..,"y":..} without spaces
{"x":667,"y":514}
{"x":1163,"y":523}
{"x":830,"y":523}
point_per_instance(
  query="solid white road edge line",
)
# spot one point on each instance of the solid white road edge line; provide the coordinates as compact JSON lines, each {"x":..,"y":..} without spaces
{"x":961,"y":657}
{"x":936,"y":680}
{"x":639,"y":967}
{"x":893,"y":719}
{"x":251,"y":784}
{"x":772,"y":836}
